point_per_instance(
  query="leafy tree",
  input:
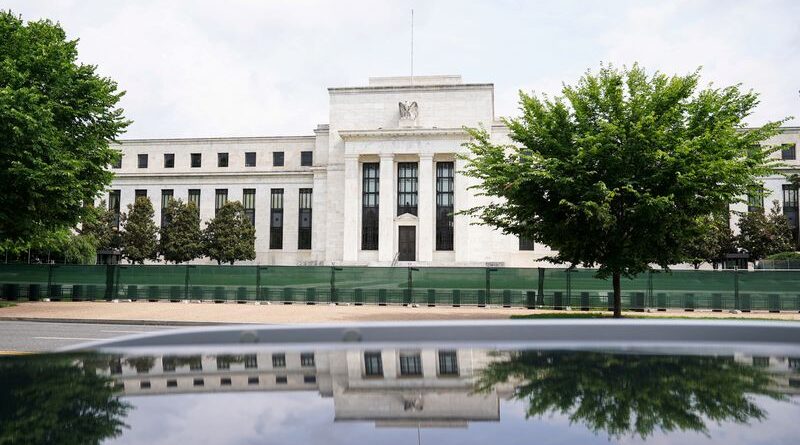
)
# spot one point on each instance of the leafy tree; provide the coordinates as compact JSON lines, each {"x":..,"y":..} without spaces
{"x":616,"y":173}
{"x":57,"y":118}
{"x":761,"y":235}
{"x":139,"y":232}
{"x":714,"y":239}
{"x":230,"y":236}
{"x":98,"y":222}
{"x":632,"y":394}
{"x":49,"y":399}
{"x":181,"y":238}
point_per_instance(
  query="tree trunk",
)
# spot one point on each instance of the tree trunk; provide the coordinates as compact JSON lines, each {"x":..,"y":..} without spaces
{"x":617,"y":295}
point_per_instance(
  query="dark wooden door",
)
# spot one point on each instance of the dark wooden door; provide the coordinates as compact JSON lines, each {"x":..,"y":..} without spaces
{"x":408,"y":243}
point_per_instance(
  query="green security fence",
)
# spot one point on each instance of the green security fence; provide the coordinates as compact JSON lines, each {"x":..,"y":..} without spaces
{"x":773,"y":290}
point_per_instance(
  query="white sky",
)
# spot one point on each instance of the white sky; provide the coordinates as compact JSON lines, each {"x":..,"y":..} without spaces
{"x":262,"y":68}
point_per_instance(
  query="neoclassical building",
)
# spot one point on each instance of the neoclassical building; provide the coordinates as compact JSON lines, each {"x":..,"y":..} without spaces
{"x":377,"y":185}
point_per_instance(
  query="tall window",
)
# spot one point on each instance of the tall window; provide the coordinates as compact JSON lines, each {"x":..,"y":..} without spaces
{"x":410,"y":363}
{"x":306,"y":158}
{"x":526,"y":243}
{"x":250,"y":159}
{"x":790,"y":209}
{"x":142,"y":158}
{"x":220,"y":198}
{"x":276,"y":219}
{"x":407,"y":188}
{"x":222,"y":159}
{"x":277,"y":159}
{"x":166,"y":197}
{"x":369,"y":205}
{"x":373,"y":365}
{"x":249,"y":203}
{"x":139,"y":193}
{"x":114,"y":204}
{"x":117,"y":163}
{"x":444,"y":206}
{"x":196,"y":160}
{"x":307,"y":359}
{"x":755,"y":201}
{"x":788,"y":152}
{"x":448,"y":363}
{"x":169,"y":160}
{"x":304,"y":224}
{"x":278,"y":360}
{"x":194,"y":197}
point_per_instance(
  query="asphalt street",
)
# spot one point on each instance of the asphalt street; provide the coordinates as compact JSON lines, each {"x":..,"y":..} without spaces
{"x":36,"y":336}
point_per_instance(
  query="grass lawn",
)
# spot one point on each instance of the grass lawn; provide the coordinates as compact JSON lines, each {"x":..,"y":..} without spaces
{"x":6,"y":304}
{"x":570,"y":315}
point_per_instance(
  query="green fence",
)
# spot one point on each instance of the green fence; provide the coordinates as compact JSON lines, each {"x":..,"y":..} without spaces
{"x":774,"y":290}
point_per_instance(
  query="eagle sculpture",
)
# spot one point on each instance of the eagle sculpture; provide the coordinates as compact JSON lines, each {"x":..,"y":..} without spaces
{"x":408,"y":110}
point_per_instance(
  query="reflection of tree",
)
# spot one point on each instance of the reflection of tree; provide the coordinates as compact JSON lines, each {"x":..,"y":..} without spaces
{"x":142,"y":365}
{"x":633,"y":394}
{"x":55,"y":399}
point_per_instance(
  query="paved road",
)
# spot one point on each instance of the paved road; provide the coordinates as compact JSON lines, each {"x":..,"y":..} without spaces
{"x":34,"y":336}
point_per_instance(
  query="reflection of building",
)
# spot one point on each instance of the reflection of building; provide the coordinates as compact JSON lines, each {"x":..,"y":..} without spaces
{"x":391,"y":387}
{"x":785,"y":371}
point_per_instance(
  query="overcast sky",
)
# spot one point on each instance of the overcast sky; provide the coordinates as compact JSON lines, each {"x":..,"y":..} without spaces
{"x":258,"y":68}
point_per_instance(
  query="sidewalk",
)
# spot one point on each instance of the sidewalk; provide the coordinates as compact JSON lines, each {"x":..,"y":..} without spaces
{"x":197,"y":313}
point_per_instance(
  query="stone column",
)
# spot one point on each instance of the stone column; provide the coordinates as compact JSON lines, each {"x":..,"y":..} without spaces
{"x":386,"y":209}
{"x":352,"y":201}
{"x":461,"y":227}
{"x":426,"y":200}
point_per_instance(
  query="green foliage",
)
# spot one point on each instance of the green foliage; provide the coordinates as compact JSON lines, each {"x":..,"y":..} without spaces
{"x":784,"y":256}
{"x":139,"y":236}
{"x":46,"y":399}
{"x":181,"y":238}
{"x":712,"y":240}
{"x":632,"y":394}
{"x":617,"y":172}
{"x":761,"y":235}
{"x":57,"y":118}
{"x":98,"y":222}
{"x":230,"y":237}
{"x":62,"y":245}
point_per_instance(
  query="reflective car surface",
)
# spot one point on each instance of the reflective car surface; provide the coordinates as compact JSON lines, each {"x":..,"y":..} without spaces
{"x":511,"y":391}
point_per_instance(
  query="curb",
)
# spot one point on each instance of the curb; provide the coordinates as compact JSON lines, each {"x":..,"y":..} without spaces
{"x":124,"y":322}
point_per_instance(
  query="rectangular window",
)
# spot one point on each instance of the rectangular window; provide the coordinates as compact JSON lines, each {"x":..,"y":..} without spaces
{"x":249,"y":203}
{"x":304,"y":223}
{"x":406,"y":188}
{"x":276,"y":219}
{"x":410,"y":364}
{"x":169,"y":160}
{"x":172,"y":383}
{"x":250,"y":361}
{"x":444,"y":205}
{"x":222,"y":159}
{"x":223,"y":362}
{"x":278,"y":360}
{"x":166,"y":197}
{"x":790,"y":209}
{"x":194,"y":198}
{"x":277,"y":159}
{"x":225,"y":381}
{"x":168,"y":363}
{"x":140,"y":193}
{"x":197,"y":160}
{"x":198,"y":382}
{"x":142,"y":160}
{"x":220,"y":199}
{"x":117,"y":163}
{"x":281,"y":379}
{"x":250,"y":159}
{"x":307,"y":359}
{"x":448,"y":363}
{"x":788,"y":152}
{"x":114,"y":205}
{"x":373,"y":365}
{"x":144,"y":384}
{"x":252,"y":380}
{"x":761,"y":362}
{"x":369,"y":205}
{"x":755,"y":201}
{"x":309,"y":379}
{"x":526,"y":243}
{"x":306,"y":158}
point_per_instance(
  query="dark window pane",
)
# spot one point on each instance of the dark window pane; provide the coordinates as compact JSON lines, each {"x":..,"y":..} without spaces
{"x":281,"y":379}
{"x":309,"y":379}
{"x":789,"y":152}
{"x":220,"y":198}
{"x":140,"y":193}
{"x":250,"y":361}
{"x":166,"y":197}
{"x":304,"y":223}
{"x":373,"y":365}
{"x":169,"y":160}
{"x":277,"y":158}
{"x":276,"y":219}
{"x":114,"y":205}
{"x":306,"y":158}
{"x":222,"y":160}
{"x":197,"y":160}
{"x":249,"y":204}
{"x":369,"y":205}
{"x":172,"y":383}
{"x":250,"y":159}
{"x":526,"y":243}
{"x":407,"y":188}
{"x":117,"y":163}
{"x":194,"y":197}
{"x":307,"y":359}
{"x":444,"y":205}
{"x":142,"y":160}
{"x":448,"y":363}
{"x":410,"y":364}
{"x":278,"y":360}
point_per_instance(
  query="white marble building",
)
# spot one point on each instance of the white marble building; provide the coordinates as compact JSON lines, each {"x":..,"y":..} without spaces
{"x":376,"y":184}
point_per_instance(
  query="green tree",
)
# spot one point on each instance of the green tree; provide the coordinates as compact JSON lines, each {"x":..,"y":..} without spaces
{"x":230,"y":236}
{"x":616,"y":173}
{"x":714,"y":239}
{"x":98,"y":222}
{"x":53,"y":399}
{"x":632,"y":394}
{"x":57,"y":118}
{"x":761,"y":235}
{"x":181,"y":237}
{"x":139,"y":235}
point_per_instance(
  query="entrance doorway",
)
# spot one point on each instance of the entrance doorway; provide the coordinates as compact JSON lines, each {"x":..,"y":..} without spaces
{"x":407,"y":243}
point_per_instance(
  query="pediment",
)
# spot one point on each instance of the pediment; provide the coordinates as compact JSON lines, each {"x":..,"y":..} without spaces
{"x":407,"y":217}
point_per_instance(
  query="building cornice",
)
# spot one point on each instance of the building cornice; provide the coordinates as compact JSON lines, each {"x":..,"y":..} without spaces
{"x":390,"y":88}
{"x":402,"y":133}
{"x":213,"y":174}
{"x":188,"y":141}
